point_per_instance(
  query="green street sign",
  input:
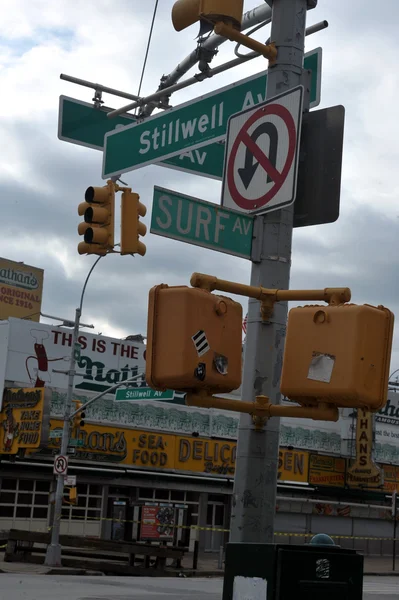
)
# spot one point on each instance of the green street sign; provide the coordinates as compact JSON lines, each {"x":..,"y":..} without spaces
{"x":74,"y":442}
{"x":83,"y":124}
{"x":144,"y":393}
{"x":190,"y":125}
{"x":201,"y":223}
{"x":207,"y":161}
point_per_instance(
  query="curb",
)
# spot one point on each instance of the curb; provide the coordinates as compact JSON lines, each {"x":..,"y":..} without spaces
{"x":381,"y":574}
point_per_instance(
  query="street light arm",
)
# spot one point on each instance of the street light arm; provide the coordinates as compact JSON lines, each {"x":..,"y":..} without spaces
{"x":252,"y":17}
{"x":87,"y":280}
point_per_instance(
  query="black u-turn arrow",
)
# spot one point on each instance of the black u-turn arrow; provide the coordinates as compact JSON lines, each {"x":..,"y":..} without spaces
{"x":248,"y":171}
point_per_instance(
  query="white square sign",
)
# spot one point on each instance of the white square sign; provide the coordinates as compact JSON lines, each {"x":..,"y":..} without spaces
{"x":262,"y":151}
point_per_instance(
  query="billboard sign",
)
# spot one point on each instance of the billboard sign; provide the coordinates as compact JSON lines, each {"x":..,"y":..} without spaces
{"x":24,"y":420}
{"x":31,"y":353}
{"x":21,"y":288}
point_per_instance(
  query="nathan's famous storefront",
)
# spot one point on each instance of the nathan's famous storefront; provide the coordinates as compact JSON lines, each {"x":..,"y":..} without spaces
{"x":131,"y":483}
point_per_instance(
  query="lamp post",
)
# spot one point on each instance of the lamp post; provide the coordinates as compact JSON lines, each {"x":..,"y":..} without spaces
{"x":53,"y":553}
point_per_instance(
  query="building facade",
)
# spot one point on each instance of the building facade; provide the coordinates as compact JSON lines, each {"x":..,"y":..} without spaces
{"x":148,"y":453}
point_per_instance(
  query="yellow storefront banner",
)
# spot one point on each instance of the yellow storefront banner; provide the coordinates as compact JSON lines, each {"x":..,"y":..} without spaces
{"x":327,"y":470}
{"x":293,"y":465}
{"x":24,"y":419}
{"x":165,"y":451}
{"x":21,"y":288}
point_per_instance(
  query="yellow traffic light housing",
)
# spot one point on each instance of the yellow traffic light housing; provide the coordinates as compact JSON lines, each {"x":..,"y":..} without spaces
{"x":98,"y":227}
{"x":79,"y":418}
{"x":188,"y":12}
{"x":73,"y":495}
{"x":194,"y":340}
{"x":131,"y":226}
{"x":338,"y":354}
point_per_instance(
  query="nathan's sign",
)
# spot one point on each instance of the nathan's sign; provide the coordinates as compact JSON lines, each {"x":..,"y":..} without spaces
{"x":363,"y":472}
{"x":326,"y":470}
{"x":293,"y":465}
{"x":38,"y":355}
{"x":24,"y":420}
{"x":21,"y":289}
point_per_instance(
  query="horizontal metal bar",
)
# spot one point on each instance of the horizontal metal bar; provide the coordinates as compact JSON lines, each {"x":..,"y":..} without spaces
{"x":183,"y":84}
{"x":65,"y":322}
{"x":99,"y":87}
{"x":211,"y":283}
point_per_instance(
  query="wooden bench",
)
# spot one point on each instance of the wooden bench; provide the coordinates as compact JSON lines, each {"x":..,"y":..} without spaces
{"x":94,"y":553}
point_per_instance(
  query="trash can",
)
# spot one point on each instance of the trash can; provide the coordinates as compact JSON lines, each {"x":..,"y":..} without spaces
{"x":283,"y":572}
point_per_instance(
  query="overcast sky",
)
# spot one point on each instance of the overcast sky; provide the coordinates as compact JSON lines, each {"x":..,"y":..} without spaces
{"x":43,"y":179}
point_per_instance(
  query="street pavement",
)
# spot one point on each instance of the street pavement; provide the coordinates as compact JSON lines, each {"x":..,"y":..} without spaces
{"x":62,"y":587}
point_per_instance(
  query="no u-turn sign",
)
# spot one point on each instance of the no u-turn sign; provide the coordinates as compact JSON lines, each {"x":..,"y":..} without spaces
{"x":262,"y":150}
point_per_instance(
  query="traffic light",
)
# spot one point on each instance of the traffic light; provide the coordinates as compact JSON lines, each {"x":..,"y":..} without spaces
{"x":98,"y":211}
{"x":193,"y":340}
{"x":188,"y":12}
{"x":73,"y":495}
{"x":79,"y":418}
{"x":131,"y":226}
{"x":338,"y":354}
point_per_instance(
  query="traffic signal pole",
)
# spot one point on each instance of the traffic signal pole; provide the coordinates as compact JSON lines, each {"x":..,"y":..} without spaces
{"x":255,"y":482}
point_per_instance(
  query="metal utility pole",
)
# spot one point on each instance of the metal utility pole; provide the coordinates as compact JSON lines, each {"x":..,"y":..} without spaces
{"x":255,"y":483}
{"x":53,"y":553}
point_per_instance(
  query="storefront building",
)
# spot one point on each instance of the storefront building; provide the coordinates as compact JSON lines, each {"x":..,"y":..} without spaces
{"x":143,"y":453}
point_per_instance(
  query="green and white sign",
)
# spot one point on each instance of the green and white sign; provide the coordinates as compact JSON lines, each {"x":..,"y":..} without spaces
{"x":83,"y":124}
{"x":144,"y":393}
{"x":201,"y":223}
{"x":207,"y":161}
{"x":191,"y":125}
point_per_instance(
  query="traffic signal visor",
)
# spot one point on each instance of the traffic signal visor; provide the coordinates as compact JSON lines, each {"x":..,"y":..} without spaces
{"x":188,"y":12}
{"x":339,"y":355}
{"x":193,"y":340}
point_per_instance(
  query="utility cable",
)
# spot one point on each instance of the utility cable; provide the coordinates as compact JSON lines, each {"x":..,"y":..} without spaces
{"x":148,"y":48}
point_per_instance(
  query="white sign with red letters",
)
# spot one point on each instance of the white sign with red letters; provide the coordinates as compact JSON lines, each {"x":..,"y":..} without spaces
{"x":30,"y":352}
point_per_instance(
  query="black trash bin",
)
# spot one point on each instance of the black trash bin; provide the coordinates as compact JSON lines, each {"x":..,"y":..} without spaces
{"x":311,"y":572}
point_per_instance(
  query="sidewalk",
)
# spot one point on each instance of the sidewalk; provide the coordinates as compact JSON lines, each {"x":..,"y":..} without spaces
{"x":207,"y":567}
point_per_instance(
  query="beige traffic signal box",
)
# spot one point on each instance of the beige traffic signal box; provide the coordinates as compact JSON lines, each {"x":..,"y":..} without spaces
{"x":194,"y":340}
{"x":338,"y":354}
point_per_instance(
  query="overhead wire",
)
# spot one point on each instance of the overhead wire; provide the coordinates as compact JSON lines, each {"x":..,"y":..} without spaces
{"x":148,"y":48}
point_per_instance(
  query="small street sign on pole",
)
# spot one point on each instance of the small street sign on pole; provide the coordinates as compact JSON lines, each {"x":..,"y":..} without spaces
{"x":261,"y":166}
{"x":201,"y":223}
{"x":60,"y":465}
{"x":144,"y":393}
{"x":191,"y":125}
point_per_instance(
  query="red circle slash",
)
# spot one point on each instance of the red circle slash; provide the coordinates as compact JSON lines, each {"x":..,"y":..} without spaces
{"x":244,"y":138}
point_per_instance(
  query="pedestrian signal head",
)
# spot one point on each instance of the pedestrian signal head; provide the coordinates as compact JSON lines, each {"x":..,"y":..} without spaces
{"x":193,"y":341}
{"x":188,"y":12}
{"x":338,"y":354}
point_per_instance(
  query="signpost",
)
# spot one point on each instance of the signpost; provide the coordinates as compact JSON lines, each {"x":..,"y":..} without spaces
{"x":261,"y":164}
{"x":201,"y":223}
{"x":144,"y":393}
{"x":189,"y":126}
